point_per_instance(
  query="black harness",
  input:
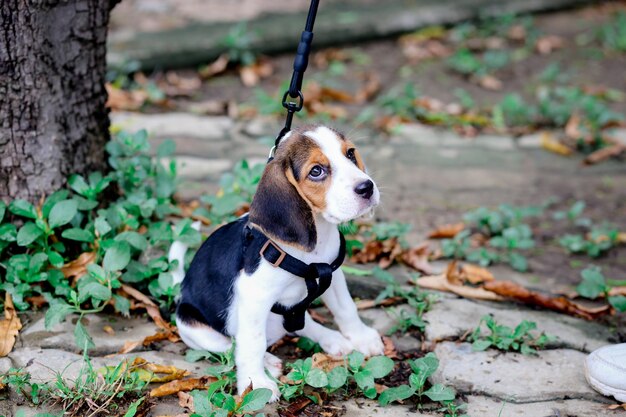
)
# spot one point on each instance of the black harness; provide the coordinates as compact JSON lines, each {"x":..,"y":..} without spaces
{"x":293,"y":316}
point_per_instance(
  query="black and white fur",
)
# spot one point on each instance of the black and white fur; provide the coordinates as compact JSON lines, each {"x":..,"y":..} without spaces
{"x":225,"y":294}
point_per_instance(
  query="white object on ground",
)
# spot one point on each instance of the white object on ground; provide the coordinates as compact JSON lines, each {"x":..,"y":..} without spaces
{"x":605,"y":369}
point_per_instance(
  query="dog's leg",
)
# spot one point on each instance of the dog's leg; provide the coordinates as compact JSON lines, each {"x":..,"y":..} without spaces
{"x":202,"y":337}
{"x":333,"y":342}
{"x":253,"y":302}
{"x":338,"y":300}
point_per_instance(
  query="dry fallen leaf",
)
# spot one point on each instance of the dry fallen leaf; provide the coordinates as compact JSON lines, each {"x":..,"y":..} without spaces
{"x":446,"y":231}
{"x":370,"y":88}
{"x":561,"y":304}
{"x":129,"y":346}
{"x":604,"y":154}
{"x":517,"y":33}
{"x":548,"y":143}
{"x":326,"y":362}
{"x":185,"y":401}
{"x":616,"y":406}
{"x":547,"y":44}
{"x":475,"y":274}
{"x":390,"y":348}
{"x":216,"y":67}
{"x":9,"y":327}
{"x":250,"y":75}
{"x":366,"y":304}
{"x":182,"y":385}
{"x":417,"y":258}
{"x":109,"y":330}
{"x":490,"y":82}
{"x":294,"y":408}
{"x":155,"y":372}
{"x":78,"y":267}
{"x":441,"y":283}
{"x":153,"y":311}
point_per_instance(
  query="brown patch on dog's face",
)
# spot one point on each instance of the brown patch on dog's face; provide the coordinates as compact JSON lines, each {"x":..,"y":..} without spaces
{"x":312,"y":190}
{"x":350,"y":151}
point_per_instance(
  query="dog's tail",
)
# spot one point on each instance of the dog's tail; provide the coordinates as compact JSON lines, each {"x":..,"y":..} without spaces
{"x":177,"y":252}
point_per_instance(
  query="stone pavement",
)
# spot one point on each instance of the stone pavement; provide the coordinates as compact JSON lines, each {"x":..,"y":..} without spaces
{"x":417,"y":169}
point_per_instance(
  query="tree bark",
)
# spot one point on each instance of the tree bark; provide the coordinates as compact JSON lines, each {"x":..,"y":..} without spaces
{"x":53,"y":120}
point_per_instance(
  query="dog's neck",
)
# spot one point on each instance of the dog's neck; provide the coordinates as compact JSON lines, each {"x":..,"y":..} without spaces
{"x":326,"y":247}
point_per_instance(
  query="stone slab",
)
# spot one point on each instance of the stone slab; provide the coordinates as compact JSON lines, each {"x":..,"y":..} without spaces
{"x":366,"y":408}
{"x":451,"y":318}
{"x":62,"y":335}
{"x":488,"y":407}
{"x":44,"y":364}
{"x":512,"y":377}
{"x":195,"y":168}
{"x":175,"y":124}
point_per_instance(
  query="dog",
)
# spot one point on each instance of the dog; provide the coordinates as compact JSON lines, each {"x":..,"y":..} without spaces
{"x":315,"y":181}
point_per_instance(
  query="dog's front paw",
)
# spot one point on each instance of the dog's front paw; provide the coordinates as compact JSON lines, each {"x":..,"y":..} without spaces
{"x":336,"y":345}
{"x":260,"y":381}
{"x":367,"y":341}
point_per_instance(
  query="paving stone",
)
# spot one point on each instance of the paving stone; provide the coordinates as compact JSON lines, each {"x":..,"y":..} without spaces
{"x":450,"y":318}
{"x":406,"y":343}
{"x":532,"y":141}
{"x":173,"y":125}
{"x":382,"y":320}
{"x":197,"y":168}
{"x":513,"y":377}
{"x":5,"y":365}
{"x":488,"y":407}
{"x":434,"y":137}
{"x":366,"y":408}
{"x":158,"y":357}
{"x":44,"y":364}
{"x":62,"y":335}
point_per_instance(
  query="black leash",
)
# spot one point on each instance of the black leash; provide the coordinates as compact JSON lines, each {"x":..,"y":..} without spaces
{"x":293,"y":100}
{"x":293,"y":316}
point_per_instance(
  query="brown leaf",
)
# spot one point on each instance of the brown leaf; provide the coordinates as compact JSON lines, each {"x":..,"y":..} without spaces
{"x":293,"y":410}
{"x":158,"y":372}
{"x":185,"y":401}
{"x":317,"y":316}
{"x":109,"y":330}
{"x":549,"y":144}
{"x":475,"y":274}
{"x":250,"y":75}
{"x":367,"y":304}
{"x":326,"y":362}
{"x":417,"y":258}
{"x":182,"y":385}
{"x":561,"y":304}
{"x":604,"y":154}
{"x":517,"y":33}
{"x":441,"y":283}
{"x":129,"y":346}
{"x":9,"y":327}
{"x":490,"y":82}
{"x":547,"y":44}
{"x":216,"y":67}
{"x":124,"y":100}
{"x":78,"y":267}
{"x":390,"y":348}
{"x":370,"y":88}
{"x":153,"y":311}
{"x":616,"y":406}
{"x":572,"y":127}
{"x":446,"y":231}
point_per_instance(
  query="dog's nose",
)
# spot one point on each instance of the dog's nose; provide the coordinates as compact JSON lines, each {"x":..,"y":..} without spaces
{"x":365,"y":189}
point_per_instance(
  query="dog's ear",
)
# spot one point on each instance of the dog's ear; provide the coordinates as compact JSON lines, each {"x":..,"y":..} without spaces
{"x":279,"y":209}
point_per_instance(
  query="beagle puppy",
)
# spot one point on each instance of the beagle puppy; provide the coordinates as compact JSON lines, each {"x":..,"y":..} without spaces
{"x":315,"y":181}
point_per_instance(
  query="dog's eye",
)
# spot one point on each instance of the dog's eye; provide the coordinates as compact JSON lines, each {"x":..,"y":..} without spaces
{"x":350,"y":155}
{"x":317,"y":173}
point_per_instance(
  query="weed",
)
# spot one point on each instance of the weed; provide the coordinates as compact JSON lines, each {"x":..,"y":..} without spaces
{"x":224,"y":362}
{"x":506,"y":339}
{"x":238,"y":45}
{"x":594,"y":285}
{"x":613,"y":35}
{"x":422,"y":369}
{"x":217,"y":402}
{"x":19,"y":381}
{"x":599,"y":240}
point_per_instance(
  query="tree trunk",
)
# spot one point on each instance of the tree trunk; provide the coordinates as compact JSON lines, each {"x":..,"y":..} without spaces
{"x":53,"y":120}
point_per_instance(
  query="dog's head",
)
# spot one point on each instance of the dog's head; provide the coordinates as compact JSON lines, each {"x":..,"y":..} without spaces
{"x":315,"y":170}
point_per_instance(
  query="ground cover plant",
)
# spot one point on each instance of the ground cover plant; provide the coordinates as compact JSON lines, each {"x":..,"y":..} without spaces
{"x":505,"y":338}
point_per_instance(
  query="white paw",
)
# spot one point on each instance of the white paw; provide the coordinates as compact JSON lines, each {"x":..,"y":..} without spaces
{"x":367,"y":341}
{"x":260,"y":381}
{"x":273,"y":365}
{"x":336,"y":344}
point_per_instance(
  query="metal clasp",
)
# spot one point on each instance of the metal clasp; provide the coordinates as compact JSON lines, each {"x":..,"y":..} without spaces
{"x":278,"y":261}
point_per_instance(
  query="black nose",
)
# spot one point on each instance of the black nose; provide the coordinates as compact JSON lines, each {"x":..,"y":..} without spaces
{"x":365,"y":189}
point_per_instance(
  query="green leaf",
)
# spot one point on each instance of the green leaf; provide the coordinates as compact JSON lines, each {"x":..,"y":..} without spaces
{"x":364,"y":379}
{"x":78,"y":184}
{"x":28,"y":234}
{"x":316,"y":378}
{"x":255,"y":400}
{"x":3,"y":209}
{"x":102,"y":226}
{"x":133,"y":408}
{"x":55,"y":259}
{"x":379,"y":366}
{"x":23,"y":208}
{"x":440,"y":393}
{"x":56,"y":314}
{"x":355,"y":360}
{"x":94,"y":290}
{"x":593,"y":283}
{"x":80,"y":235}
{"x":480,"y":345}
{"x":518,"y":262}
{"x":122,"y":305}
{"x":398,"y":393}
{"x":117,"y":257}
{"x":62,"y":213}
{"x":337,"y":377}
{"x":82,"y":338}
{"x":136,"y":240}
{"x":426,"y":366}
{"x":167,"y":148}
{"x":618,"y":302}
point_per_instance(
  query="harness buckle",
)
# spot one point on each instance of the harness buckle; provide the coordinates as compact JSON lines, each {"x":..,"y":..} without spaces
{"x":278,"y":261}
